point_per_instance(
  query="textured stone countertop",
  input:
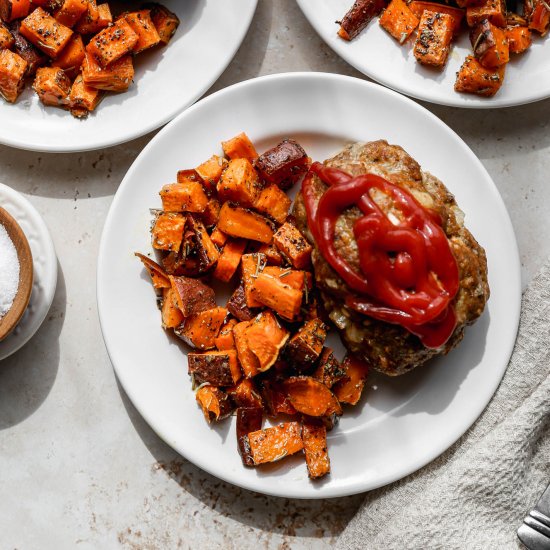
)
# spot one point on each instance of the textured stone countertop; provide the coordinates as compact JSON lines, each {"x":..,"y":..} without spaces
{"x":80,"y":468}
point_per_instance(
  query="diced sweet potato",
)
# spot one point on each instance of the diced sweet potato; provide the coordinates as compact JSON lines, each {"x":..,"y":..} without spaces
{"x":190,"y":176}
{"x":225,"y":339}
{"x":12,"y":75}
{"x":6,"y":38}
{"x":237,"y":305}
{"x":243,"y":223}
{"x":240,"y":147}
{"x":159,"y":277}
{"x":274,"y":293}
{"x":419,"y":6}
{"x":183,"y":197}
{"x":305,"y":347}
{"x":245,"y":394}
{"x":200,"y":330}
{"x":115,"y":78}
{"x":229,"y":259}
{"x":171,"y":315}
{"x":252,"y":266}
{"x":328,"y":370}
{"x":52,"y":86}
{"x":211,"y":170}
{"x":10,"y":10}
{"x":292,"y":277}
{"x":167,"y":232}
{"x":249,"y":362}
{"x":192,"y":295}
{"x":70,"y":11}
{"x":219,"y":238}
{"x":293,"y":245}
{"x":489,"y":44}
{"x":47,"y":34}
{"x":211,"y":214}
{"x":143,"y":26}
{"x":493,"y":10}
{"x":218,"y":368}
{"x":266,"y":338}
{"x":276,"y":399}
{"x":271,"y":444}
{"x":178,"y":263}
{"x":349,"y":389}
{"x":272,"y":255}
{"x":433,"y":42}
{"x":539,"y":16}
{"x":519,"y":38}
{"x":205,"y":250}
{"x":358,"y":17}
{"x":71,"y":57}
{"x":214,"y":402}
{"x":164,"y":20}
{"x":398,"y":20}
{"x":239,"y":183}
{"x":112,"y":43}
{"x":95,"y":19}
{"x":311,"y":397}
{"x":249,"y":419}
{"x":22,"y":47}
{"x":273,"y":202}
{"x":314,"y":436}
{"x":284,"y":164}
{"x":473,"y":78}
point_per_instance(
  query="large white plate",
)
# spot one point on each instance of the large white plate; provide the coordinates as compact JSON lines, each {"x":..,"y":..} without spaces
{"x":376,"y":54}
{"x":167,"y":80}
{"x":403,"y":423}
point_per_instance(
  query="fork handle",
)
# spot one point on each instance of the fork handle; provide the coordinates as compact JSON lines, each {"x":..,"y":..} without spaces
{"x":535,"y":530}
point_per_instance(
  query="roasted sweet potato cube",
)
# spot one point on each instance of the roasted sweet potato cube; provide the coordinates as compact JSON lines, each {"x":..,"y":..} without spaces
{"x":214,"y":402}
{"x":293,"y":245}
{"x":112,"y":43}
{"x":219,"y":238}
{"x":474,"y":78}
{"x":52,"y":86}
{"x":143,"y":26}
{"x":272,"y":444}
{"x":211,"y":214}
{"x":71,"y":11}
{"x":519,"y":38}
{"x":358,"y":17}
{"x":241,"y":222}
{"x":218,"y":368}
{"x":252,"y":266}
{"x":83,"y":99}
{"x":240,"y":147}
{"x":47,"y":34}
{"x":22,"y":47}
{"x":71,"y":57}
{"x":167,"y":232}
{"x":311,"y":397}
{"x":200,"y":330}
{"x":225,"y":339}
{"x":183,"y":197}
{"x":284,"y":164}
{"x":6,"y":38}
{"x":350,"y":387}
{"x":229,"y":259}
{"x":239,"y":183}
{"x":273,"y":202}
{"x":211,"y":170}
{"x":538,"y":13}
{"x":159,"y":277}
{"x":398,"y":20}
{"x":190,"y":176}
{"x":249,"y":419}
{"x":328,"y":370}
{"x":164,"y":20}
{"x":314,"y":436}
{"x":237,"y":305}
{"x":192,"y":295}
{"x":433,"y":42}
{"x":276,"y":399}
{"x":266,"y":337}
{"x":493,"y":10}
{"x":305,"y":347}
{"x":490,"y":44}
{"x":171,"y":315}
{"x":12,"y":75}
{"x":117,"y":77}
{"x":10,"y":10}
{"x":206,"y":251}
{"x":249,"y":362}
{"x":281,"y":297}
{"x":95,"y":19}
{"x":245,"y":394}
{"x":273,"y":256}
{"x":418,"y":7}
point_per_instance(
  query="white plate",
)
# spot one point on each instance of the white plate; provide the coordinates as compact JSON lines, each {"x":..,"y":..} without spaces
{"x":167,"y":80}
{"x":403,"y":423}
{"x":376,"y":54}
{"x":44,"y":264}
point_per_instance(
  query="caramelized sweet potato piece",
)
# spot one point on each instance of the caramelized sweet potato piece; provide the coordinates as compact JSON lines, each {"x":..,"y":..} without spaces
{"x":112,"y":43}
{"x":276,"y":399}
{"x":12,"y":75}
{"x":71,"y":57}
{"x":328,"y":370}
{"x":349,"y":389}
{"x":183,"y":197}
{"x":211,"y":170}
{"x":243,"y":223}
{"x":473,"y":78}
{"x":115,"y":78}
{"x":22,"y":47}
{"x":249,"y":362}
{"x":493,"y":10}
{"x":52,"y":86}
{"x":538,"y":13}
{"x":239,"y":183}
{"x":292,"y":277}
{"x":192,"y":295}
{"x":167,"y":232}
{"x":214,"y":402}
{"x":95,"y":19}
{"x":271,"y":444}
{"x":171,"y":315}
{"x":164,"y":20}
{"x":305,"y":347}
{"x":489,"y":44}
{"x":143,"y":26}
{"x":240,"y":147}
{"x":273,"y":202}
{"x":200,"y":330}
{"x":206,"y":251}
{"x":419,"y":6}
{"x":272,"y":255}
{"x":252,"y":266}
{"x":10,"y":10}
{"x":70,"y":11}
{"x":225,"y":339}
{"x":219,"y":238}
{"x":176,"y":263}
{"x":314,"y":436}
{"x":237,"y":305}
{"x":229,"y":259}
{"x":293,"y":245}
{"x":398,"y":20}
{"x":218,"y":368}
{"x":358,"y":17}
{"x":47,"y":34}
{"x":519,"y":38}
{"x":433,"y":42}
{"x":245,"y":394}
{"x":274,"y":293}
{"x":311,"y":397}
{"x":83,"y":99}
{"x":211,"y":214}
{"x":249,"y":419}
{"x":159,"y":277}
{"x":266,"y":338}
{"x":284,"y":164}
{"x":190,"y":176}
{"x":6,"y":38}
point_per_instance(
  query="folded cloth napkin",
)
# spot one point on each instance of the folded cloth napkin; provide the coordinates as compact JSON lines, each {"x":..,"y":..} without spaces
{"x":477,"y":493}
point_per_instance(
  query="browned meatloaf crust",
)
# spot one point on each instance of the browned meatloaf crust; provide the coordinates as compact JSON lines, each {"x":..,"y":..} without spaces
{"x":390,"y":348}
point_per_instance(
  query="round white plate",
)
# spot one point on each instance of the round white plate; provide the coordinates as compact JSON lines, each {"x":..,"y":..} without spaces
{"x":167,"y":80}
{"x":402,"y":423}
{"x":379,"y":56}
{"x":45,"y":269}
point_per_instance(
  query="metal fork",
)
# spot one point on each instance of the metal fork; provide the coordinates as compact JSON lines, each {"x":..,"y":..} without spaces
{"x":535,"y":530}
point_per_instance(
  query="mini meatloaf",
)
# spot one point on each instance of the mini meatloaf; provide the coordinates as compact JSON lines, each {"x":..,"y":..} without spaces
{"x":387,"y":347}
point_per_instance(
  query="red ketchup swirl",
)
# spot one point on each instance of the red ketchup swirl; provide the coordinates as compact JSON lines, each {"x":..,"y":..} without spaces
{"x":408,"y":274}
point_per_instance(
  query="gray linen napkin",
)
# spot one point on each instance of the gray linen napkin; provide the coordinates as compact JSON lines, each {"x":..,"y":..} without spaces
{"x":476,"y":494}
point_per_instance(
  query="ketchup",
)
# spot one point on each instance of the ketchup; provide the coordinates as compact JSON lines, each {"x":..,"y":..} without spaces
{"x":408,"y":274}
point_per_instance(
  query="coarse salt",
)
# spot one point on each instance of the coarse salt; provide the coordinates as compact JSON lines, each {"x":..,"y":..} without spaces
{"x":9,"y":272}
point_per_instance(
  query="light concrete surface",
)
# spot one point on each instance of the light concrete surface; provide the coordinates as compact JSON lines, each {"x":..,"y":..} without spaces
{"x":79,"y":467}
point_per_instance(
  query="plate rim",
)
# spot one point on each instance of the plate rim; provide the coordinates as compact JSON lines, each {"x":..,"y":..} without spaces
{"x":289,"y":491}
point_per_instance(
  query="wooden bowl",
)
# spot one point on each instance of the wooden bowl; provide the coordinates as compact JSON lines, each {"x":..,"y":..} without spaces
{"x":21,"y":301}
